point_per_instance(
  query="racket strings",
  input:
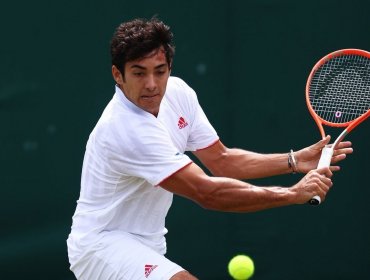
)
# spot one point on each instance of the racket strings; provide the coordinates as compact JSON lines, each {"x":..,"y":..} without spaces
{"x":340,"y":88}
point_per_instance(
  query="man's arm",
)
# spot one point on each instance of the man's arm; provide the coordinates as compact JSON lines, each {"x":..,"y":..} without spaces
{"x":231,"y":195}
{"x":242,"y":164}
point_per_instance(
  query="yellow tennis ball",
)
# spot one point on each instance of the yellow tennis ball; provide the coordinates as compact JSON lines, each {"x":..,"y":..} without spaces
{"x":241,"y":267}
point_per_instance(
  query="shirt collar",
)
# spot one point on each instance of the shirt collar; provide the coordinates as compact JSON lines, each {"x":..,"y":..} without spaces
{"x":127,"y":103}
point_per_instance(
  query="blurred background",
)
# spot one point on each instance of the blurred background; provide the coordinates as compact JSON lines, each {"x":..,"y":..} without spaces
{"x":247,"y":60}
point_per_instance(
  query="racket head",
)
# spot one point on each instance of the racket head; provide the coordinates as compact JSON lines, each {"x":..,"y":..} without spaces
{"x":338,"y":89}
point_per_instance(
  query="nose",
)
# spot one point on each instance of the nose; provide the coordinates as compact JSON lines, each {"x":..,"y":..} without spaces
{"x":151,"y":83}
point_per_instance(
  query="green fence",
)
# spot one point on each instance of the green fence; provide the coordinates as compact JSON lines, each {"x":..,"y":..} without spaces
{"x":247,"y":60}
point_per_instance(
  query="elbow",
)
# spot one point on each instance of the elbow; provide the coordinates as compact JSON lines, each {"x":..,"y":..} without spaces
{"x":218,"y":172}
{"x":220,"y":167}
{"x":206,"y":196}
{"x":226,"y":165}
{"x":225,"y":170}
{"x":207,"y":204}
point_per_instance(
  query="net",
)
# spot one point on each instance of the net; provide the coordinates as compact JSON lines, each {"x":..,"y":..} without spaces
{"x":339,"y":91}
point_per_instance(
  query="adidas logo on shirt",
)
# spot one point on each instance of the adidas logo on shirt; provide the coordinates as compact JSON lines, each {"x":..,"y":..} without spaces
{"x":182,"y":123}
{"x":148,"y":269}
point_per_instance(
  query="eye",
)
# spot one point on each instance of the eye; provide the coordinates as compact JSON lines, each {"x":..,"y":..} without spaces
{"x":161,"y":72}
{"x":138,"y":74}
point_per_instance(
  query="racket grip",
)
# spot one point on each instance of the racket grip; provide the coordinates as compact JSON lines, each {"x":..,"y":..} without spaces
{"x":325,"y":158}
{"x":324,"y":161}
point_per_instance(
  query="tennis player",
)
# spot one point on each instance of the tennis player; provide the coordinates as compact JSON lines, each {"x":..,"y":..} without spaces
{"x":135,"y":161}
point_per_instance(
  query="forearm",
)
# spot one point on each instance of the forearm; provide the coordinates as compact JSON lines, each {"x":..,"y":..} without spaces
{"x":231,"y":195}
{"x":241,"y":164}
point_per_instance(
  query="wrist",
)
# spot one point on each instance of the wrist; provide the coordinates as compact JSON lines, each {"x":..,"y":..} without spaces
{"x":292,"y":162}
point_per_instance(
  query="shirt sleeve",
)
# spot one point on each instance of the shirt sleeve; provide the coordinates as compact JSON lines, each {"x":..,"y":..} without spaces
{"x":202,"y":134}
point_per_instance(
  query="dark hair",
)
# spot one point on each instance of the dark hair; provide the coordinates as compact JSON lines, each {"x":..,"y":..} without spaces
{"x":139,"y":37}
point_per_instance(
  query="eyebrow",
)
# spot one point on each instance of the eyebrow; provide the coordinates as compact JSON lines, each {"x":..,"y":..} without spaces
{"x":144,"y":68}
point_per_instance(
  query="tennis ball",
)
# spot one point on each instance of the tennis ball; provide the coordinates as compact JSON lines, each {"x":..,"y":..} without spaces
{"x":241,"y":267}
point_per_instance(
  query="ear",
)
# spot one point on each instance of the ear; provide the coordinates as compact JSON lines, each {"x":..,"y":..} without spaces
{"x":117,"y":75}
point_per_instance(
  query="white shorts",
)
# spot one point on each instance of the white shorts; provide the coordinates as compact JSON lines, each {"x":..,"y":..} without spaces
{"x":122,"y":256}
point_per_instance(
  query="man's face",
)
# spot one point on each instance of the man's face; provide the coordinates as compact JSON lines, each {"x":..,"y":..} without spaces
{"x":145,"y":80}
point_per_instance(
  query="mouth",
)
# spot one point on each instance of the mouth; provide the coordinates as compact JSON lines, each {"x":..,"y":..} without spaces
{"x":149,"y":97}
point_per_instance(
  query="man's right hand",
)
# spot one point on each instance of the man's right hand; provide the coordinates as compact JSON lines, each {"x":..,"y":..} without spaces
{"x":316,"y":182}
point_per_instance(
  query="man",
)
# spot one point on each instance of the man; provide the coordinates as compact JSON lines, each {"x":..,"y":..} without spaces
{"x":134,"y":163}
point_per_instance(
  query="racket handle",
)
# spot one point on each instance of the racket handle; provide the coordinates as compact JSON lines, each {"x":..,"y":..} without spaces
{"x":324,"y":161}
{"x":316,"y":200}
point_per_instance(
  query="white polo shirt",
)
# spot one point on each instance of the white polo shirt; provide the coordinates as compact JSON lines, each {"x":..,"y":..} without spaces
{"x":128,"y":154}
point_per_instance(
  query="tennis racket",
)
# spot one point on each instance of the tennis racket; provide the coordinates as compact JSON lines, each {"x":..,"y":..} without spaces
{"x":338,"y":95}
